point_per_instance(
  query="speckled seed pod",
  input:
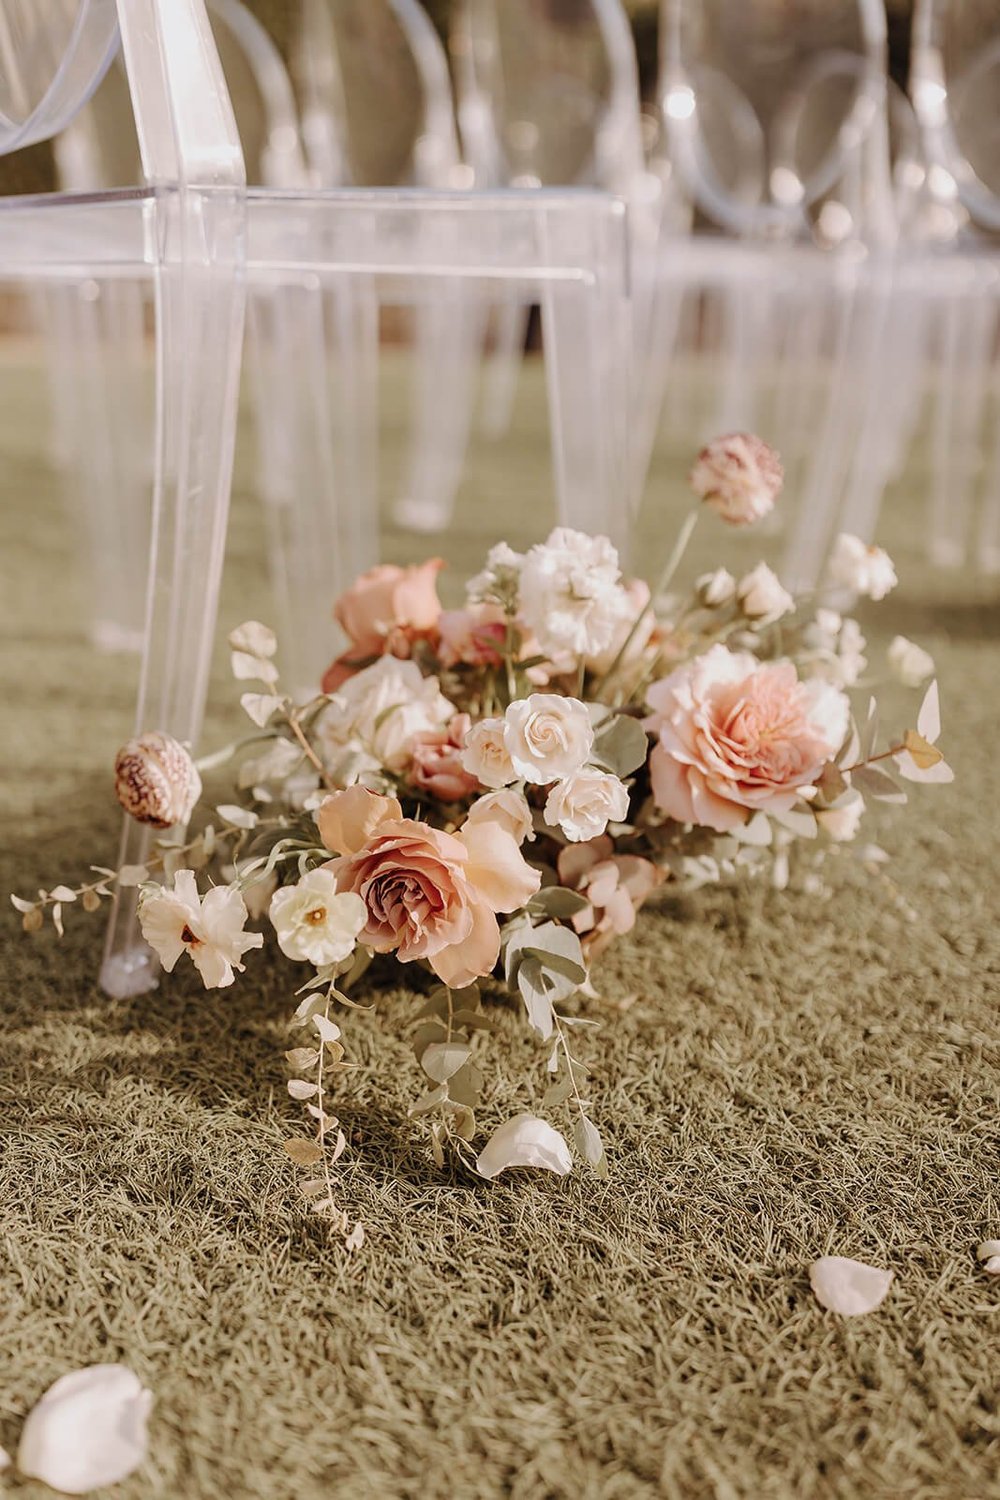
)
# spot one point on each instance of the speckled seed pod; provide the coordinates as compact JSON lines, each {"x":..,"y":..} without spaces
{"x":156,"y":780}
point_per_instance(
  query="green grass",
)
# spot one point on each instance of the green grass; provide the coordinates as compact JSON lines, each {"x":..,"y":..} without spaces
{"x":776,"y":1077}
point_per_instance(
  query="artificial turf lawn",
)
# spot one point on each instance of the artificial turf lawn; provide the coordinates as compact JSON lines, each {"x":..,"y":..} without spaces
{"x":776,"y":1078}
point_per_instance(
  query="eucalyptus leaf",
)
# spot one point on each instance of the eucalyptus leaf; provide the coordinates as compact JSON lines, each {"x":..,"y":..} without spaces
{"x":538,"y":991}
{"x":621,"y":745}
{"x":440,"y":1060}
{"x":588,"y":1141}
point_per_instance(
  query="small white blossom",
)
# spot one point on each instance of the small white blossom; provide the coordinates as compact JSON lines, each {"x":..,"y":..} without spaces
{"x":571,"y":595}
{"x":761,"y":596}
{"x":498,"y":581}
{"x":315,"y":923}
{"x":524,"y":1142}
{"x":583,"y":804}
{"x":547,"y":737}
{"x":910,"y":663}
{"x":862,"y":569}
{"x":87,"y":1431}
{"x":485,"y":754}
{"x":713,"y":590}
{"x":210,"y":929}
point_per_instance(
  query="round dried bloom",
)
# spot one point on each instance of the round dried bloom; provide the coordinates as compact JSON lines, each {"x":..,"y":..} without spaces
{"x":841,"y":821}
{"x":486,"y":756}
{"x":910,"y":663}
{"x":380,"y":710}
{"x":585,"y":803}
{"x":210,"y":929}
{"x":156,"y":781}
{"x":547,"y":737}
{"x":508,"y":808}
{"x":435,"y":895}
{"x":862,"y":569}
{"x":714,"y":590}
{"x":571,"y":595}
{"x":739,"y":476}
{"x":386,"y":599}
{"x":737,"y":736}
{"x":315,"y":923}
{"x":761,"y":596}
{"x":436,"y":767}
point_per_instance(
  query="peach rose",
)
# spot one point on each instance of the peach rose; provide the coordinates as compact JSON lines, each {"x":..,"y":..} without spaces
{"x":737,"y":736}
{"x":615,"y":885}
{"x":474,"y":636}
{"x":387,"y":599}
{"x":436,"y":766}
{"x":429,"y":894}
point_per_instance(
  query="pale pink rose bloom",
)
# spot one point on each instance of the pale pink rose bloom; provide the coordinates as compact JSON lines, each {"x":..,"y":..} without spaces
{"x":435,"y":895}
{"x":348,"y":819}
{"x":737,"y":736}
{"x":474,"y":636}
{"x":739,"y":476}
{"x":386,"y":599}
{"x":436,"y":766}
{"x":615,"y":885}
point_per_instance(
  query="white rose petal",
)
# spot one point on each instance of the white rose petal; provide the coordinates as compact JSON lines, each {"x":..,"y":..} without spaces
{"x":506,"y":807}
{"x":88,"y":1430}
{"x":571,"y":597}
{"x":910,"y":663}
{"x":585,"y":803}
{"x":524,"y":1142}
{"x":862,"y":569}
{"x":761,"y":596}
{"x":315,"y":923}
{"x":547,"y":737}
{"x":485,"y":754}
{"x":847,"y":1286}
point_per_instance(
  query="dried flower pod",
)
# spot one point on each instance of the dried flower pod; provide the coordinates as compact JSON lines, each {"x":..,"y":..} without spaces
{"x":156,"y":780}
{"x":739,"y":476}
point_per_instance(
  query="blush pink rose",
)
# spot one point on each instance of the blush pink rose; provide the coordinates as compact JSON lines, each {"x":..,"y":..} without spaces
{"x":387,"y":599}
{"x":432,"y":895}
{"x":436,"y":766}
{"x":472,"y":637}
{"x":615,"y":885}
{"x":737,"y":736}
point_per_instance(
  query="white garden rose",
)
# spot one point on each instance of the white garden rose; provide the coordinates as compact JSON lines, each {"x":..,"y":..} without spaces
{"x":571,"y":594}
{"x":585,"y":803}
{"x":910,"y":663}
{"x":547,"y":737}
{"x":486,"y":756}
{"x":315,"y":923}
{"x":761,"y":596}
{"x":380,"y":709}
{"x":862,"y":569}
{"x":506,"y":807}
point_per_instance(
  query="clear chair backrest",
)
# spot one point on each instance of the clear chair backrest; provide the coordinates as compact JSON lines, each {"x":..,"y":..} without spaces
{"x":811,"y":73}
{"x":375,"y":94}
{"x":549,"y":92}
{"x":955,"y":86}
{"x":53,"y":54}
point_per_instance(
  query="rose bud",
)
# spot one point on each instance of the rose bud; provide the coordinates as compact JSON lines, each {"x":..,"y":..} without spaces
{"x":739,"y":476}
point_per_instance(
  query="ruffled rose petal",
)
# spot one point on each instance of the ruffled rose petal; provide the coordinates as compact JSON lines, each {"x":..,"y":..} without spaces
{"x":88,"y":1430}
{"x":524,"y":1141}
{"x":848,"y":1286}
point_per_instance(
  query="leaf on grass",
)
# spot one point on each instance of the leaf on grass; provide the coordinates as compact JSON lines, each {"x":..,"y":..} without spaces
{"x":440,"y":1060}
{"x":428,"y":1101}
{"x":304,"y":1153}
{"x":588,"y":1141}
{"x":299,"y":1088}
{"x":558,"y":1092}
{"x":302,"y":1058}
{"x":466,"y":1085}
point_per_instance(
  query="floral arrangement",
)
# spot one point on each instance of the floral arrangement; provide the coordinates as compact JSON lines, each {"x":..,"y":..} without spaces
{"x":488,"y":795}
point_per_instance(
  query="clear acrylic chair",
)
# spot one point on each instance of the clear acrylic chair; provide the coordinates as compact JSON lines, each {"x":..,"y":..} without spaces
{"x":955,"y":86}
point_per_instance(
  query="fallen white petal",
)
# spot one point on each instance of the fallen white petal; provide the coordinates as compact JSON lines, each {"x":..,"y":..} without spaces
{"x":848,"y":1286}
{"x":524,"y":1141}
{"x":88,"y":1430}
{"x":992,"y":1266}
{"x":988,"y":1250}
{"x":5,"y":1460}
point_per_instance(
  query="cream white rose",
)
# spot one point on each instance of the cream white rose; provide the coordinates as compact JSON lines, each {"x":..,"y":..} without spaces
{"x":547,"y":737}
{"x":506,"y":807}
{"x":485,"y":754}
{"x":314,"y":922}
{"x":761,"y":596}
{"x":380,"y":709}
{"x":585,"y":803}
